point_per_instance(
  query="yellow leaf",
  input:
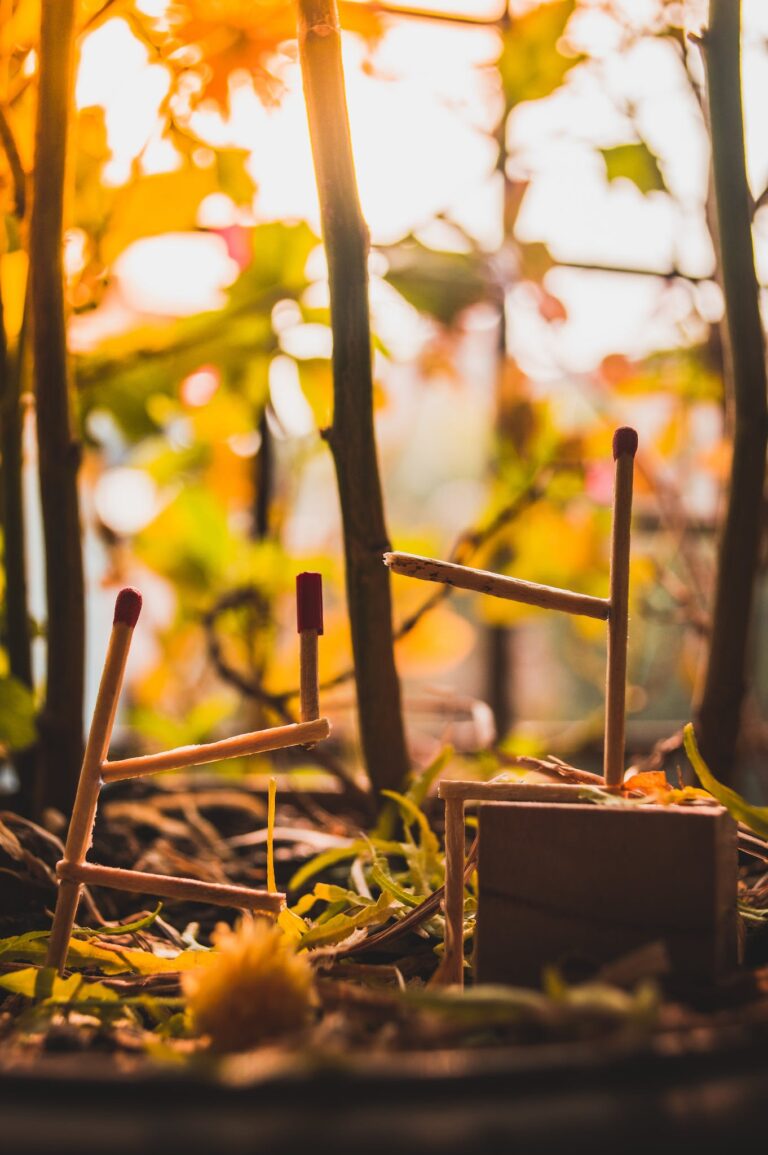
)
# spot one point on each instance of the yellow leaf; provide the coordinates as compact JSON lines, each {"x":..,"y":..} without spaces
{"x":13,"y":280}
{"x":160,"y":203}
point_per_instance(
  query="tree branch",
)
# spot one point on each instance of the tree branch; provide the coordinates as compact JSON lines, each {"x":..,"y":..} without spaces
{"x":61,"y":722}
{"x":719,"y":710}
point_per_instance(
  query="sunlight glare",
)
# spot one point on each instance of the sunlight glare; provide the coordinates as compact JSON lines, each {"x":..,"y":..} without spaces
{"x":176,"y":274}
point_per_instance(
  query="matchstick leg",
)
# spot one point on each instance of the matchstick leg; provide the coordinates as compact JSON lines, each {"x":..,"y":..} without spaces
{"x":80,"y":833}
{"x":67,"y":902}
{"x":453,"y":962}
{"x":624,"y":449}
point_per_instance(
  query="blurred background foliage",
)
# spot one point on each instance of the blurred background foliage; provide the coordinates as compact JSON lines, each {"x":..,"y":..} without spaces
{"x":535,"y":178}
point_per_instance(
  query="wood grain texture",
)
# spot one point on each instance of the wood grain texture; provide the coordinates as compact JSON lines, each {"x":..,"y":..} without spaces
{"x":587,"y":884}
{"x":510,"y":791}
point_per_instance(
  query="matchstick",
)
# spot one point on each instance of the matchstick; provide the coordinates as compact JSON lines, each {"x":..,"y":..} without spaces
{"x":624,"y":450}
{"x":255,"y":742}
{"x":167,"y":886}
{"x":80,"y":833}
{"x":484,"y":582}
{"x":453,"y":962}
{"x":309,"y":623}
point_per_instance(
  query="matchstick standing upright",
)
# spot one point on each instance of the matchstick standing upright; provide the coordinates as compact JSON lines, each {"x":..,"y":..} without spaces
{"x":127,"y":610}
{"x":309,"y":623}
{"x":624,"y":450}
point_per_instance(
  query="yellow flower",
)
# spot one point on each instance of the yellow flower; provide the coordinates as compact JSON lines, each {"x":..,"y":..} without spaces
{"x":256,"y":988}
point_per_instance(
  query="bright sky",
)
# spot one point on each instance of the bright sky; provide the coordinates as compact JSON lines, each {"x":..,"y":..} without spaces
{"x":421,"y":147}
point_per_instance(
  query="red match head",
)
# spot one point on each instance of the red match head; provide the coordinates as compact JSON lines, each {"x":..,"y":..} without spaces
{"x":309,"y":602}
{"x":128,"y":607}
{"x":624,"y":442}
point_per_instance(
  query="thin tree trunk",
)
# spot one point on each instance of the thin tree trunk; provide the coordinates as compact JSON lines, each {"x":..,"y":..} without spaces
{"x":17,"y":632}
{"x":719,"y":711}
{"x":263,"y":482}
{"x":351,"y":436}
{"x":61,"y":722}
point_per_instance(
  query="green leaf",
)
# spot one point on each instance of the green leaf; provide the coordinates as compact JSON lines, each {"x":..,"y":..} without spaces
{"x":531,"y":64}
{"x":340,"y":854}
{"x":421,"y":783}
{"x":634,"y":162}
{"x":755,"y":817}
{"x":341,"y":926}
{"x":233,"y":177}
{"x":122,"y":928}
{"x":412,"y":814}
{"x":17,"y":714}
{"x":439,"y":283}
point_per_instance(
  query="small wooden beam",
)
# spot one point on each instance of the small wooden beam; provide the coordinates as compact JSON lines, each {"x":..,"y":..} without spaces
{"x":624,"y":450}
{"x":484,"y":582}
{"x":255,"y":742}
{"x":166,"y":886}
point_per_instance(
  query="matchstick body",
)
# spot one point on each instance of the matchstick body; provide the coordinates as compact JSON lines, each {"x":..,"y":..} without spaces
{"x":484,"y":582}
{"x":309,"y":683}
{"x":309,"y":622}
{"x":453,"y":964}
{"x":255,"y":742}
{"x":167,"y":886}
{"x":80,"y":833}
{"x":624,"y":449}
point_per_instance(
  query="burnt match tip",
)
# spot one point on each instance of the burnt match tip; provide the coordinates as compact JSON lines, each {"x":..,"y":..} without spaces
{"x":128,"y":607}
{"x":309,"y":602}
{"x":624,"y":442}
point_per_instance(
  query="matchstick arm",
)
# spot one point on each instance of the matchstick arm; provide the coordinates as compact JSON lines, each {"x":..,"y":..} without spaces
{"x":167,"y":886}
{"x":255,"y":742}
{"x":485,"y":582}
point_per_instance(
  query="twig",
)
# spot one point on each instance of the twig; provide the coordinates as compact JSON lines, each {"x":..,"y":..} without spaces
{"x":12,"y":155}
{"x":61,"y":726}
{"x":352,"y":437}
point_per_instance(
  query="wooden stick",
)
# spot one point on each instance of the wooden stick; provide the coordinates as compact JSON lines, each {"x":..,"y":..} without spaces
{"x":451,"y":789}
{"x":309,"y":622}
{"x":80,"y":833}
{"x":624,"y":450}
{"x":453,"y":962}
{"x":255,"y":742}
{"x":166,"y":886}
{"x":484,"y":582}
